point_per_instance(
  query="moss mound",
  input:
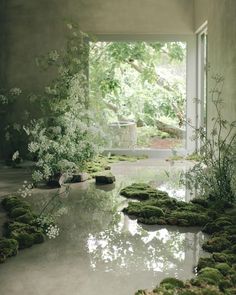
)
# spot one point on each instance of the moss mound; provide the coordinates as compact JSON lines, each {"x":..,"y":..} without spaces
{"x":8,"y":248}
{"x":21,"y":231}
{"x":173,"y":212}
{"x":217,"y":273}
{"x":142,"y":191}
{"x":172,"y":282}
{"x":216,"y":244}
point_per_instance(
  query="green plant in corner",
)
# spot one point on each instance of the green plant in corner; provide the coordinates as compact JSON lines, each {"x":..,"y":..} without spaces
{"x":215,"y":173}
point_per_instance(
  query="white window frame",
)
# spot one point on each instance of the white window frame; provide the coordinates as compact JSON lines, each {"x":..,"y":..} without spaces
{"x":201,"y":78}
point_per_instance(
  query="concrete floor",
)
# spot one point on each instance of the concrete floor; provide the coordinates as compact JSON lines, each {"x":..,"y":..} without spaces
{"x":99,"y":249}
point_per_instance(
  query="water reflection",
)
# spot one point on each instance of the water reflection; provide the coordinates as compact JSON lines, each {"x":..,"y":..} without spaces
{"x":129,"y":247}
{"x":100,"y":250}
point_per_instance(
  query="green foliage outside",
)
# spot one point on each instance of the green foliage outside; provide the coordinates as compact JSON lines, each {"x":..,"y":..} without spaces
{"x":139,"y":81}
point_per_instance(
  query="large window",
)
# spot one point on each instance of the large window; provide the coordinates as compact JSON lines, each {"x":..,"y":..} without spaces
{"x":144,"y":91}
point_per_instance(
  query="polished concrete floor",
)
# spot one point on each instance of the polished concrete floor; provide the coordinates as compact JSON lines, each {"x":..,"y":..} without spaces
{"x":99,"y":249}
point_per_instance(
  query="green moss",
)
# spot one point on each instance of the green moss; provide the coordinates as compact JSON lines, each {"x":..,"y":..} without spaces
{"x":9,"y":203}
{"x":18,"y":211}
{"x":150,"y":211}
{"x":222,"y":257}
{"x":25,"y":234}
{"x":216,"y":244}
{"x":24,"y":239}
{"x":172,"y":282}
{"x":224,"y":268}
{"x":142,"y":191}
{"x":38,"y":238}
{"x":230,"y":291}
{"x":191,"y":218}
{"x":205,"y":262}
{"x":8,"y":248}
{"x":210,"y":228}
{"x":225,"y":284}
{"x":187,"y":292}
{"x":210,"y":291}
{"x":199,"y":201}
{"x":26,"y":218}
{"x":207,"y":275}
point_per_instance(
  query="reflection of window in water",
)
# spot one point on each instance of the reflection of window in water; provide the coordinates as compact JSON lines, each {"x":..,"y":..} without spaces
{"x":128,"y":246}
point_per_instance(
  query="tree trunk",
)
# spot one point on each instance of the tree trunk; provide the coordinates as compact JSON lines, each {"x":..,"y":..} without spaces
{"x":172,"y":130}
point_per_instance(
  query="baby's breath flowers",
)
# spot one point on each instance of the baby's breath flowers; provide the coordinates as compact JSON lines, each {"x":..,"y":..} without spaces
{"x":26,"y":190}
{"x":52,"y":231}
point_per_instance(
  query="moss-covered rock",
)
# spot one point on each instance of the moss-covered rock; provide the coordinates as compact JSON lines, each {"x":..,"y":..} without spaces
{"x":18,"y":211}
{"x":28,"y":217}
{"x":230,"y":291}
{"x":216,"y":244}
{"x":25,"y":234}
{"x":189,"y":218}
{"x":210,"y":291}
{"x":210,"y":228}
{"x":207,"y":275}
{"x":225,"y":284}
{"x":151,"y":211}
{"x":200,"y":201}
{"x":223,"y":257}
{"x":172,"y":283}
{"x":24,"y":239}
{"x":38,"y":237}
{"x":8,"y":248}
{"x":224,"y":268}
{"x":11,"y":202}
{"x":142,"y":191}
{"x":205,"y":262}
{"x":105,"y":177}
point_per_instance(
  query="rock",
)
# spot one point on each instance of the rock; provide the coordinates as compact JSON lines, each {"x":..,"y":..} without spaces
{"x":80,"y":177}
{"x":57,"y":180}
{"x":105,"y":177}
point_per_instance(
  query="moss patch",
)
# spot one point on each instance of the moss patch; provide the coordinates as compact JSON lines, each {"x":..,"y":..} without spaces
{"x":21,"y":230}
{"x":217,"y":273}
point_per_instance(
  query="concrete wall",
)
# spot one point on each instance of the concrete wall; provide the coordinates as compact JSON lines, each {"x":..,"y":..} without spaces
{"x":221,"y":17}
{"x":33,"y":27}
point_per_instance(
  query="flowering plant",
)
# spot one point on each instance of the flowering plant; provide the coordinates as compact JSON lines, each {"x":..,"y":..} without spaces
{"x":67,"y":135}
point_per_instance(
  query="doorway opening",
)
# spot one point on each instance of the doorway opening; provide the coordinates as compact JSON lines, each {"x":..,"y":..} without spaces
{"x":141,"y":89}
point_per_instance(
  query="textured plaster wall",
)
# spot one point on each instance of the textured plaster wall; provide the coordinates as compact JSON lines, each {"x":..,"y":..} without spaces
{"x":33,"y":27}
{"x":221,"y":17}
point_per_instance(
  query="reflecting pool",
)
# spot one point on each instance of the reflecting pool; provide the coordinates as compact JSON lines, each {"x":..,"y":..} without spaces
{"x":99,"y":249}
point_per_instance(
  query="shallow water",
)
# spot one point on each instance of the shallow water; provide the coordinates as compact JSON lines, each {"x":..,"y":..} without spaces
{"x":99,"y":249}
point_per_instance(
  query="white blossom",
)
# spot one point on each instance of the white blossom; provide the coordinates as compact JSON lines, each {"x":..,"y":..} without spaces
{"x":52,"y":231}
